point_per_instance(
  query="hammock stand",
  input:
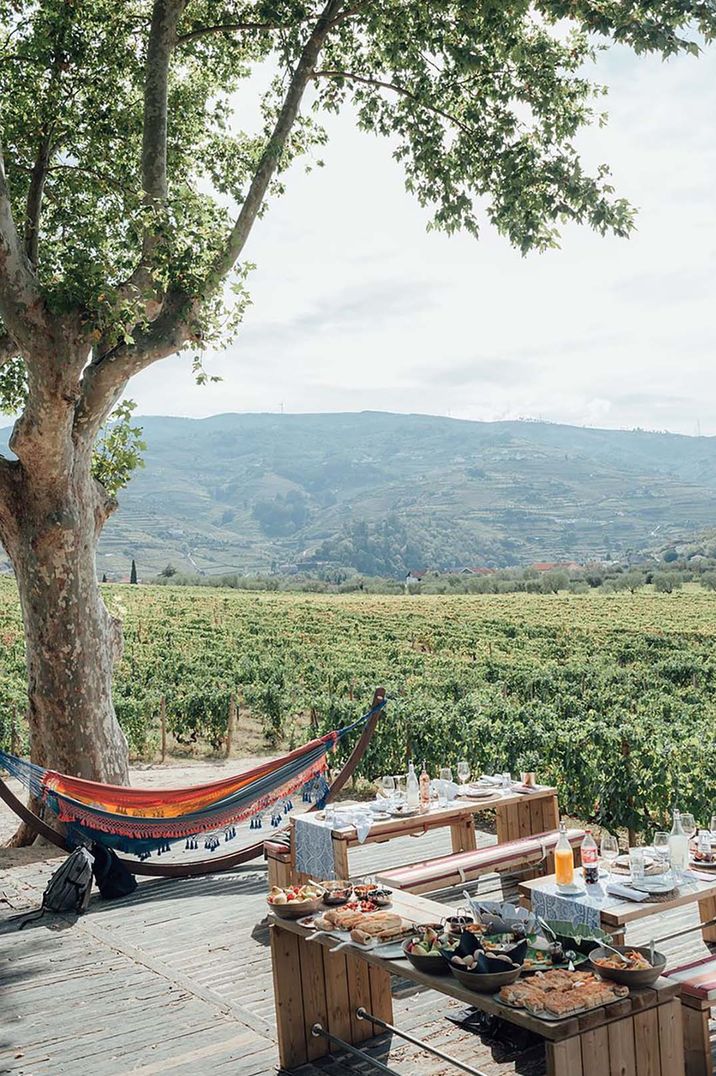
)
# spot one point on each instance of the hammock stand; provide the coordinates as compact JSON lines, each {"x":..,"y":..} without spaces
{"x":216,"y":863}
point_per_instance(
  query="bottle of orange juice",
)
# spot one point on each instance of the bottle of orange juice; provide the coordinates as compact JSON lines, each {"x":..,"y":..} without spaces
{"x":563,"y":858}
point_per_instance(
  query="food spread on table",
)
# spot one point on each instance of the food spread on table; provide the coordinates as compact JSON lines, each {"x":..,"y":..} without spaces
{"x":558,"y":994}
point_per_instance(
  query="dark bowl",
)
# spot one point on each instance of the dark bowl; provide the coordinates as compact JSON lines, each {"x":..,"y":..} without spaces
{"x":430,"y":965}
{"x":486,"y":984}
{"x":516,"y":951}
{"x":643,"y":977}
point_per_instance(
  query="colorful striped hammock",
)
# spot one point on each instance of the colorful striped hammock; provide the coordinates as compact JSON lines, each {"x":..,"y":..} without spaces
{"x":141,"y":821}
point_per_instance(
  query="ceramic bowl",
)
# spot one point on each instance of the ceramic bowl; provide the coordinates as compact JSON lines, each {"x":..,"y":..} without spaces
{"x":644,"y":977}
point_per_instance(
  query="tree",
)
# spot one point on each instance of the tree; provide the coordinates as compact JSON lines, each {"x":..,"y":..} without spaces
{"x":133,"y":572}
{"x":128,"y":195}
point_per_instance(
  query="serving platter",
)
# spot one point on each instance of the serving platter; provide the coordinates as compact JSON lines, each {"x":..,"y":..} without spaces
{"x":550,"y":1018}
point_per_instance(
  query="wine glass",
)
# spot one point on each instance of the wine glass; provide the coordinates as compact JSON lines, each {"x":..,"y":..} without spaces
{"x":688,"y":824}
{"x":609,"y":850}
{"x":463,"y":772}
{"x":388,"y":786}
{"x":445,"y":776}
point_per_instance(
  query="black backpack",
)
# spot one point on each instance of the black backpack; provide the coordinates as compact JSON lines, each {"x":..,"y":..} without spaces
{"x":112,"y":877}
{"x":69,"y":888}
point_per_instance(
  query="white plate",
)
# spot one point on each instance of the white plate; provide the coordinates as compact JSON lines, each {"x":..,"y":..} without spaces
{"x":471,"y":792}
{"x":403,"y":812}
{"x":655,"y":884}
{"x":698,"y":865}
{"x":570,"y":890}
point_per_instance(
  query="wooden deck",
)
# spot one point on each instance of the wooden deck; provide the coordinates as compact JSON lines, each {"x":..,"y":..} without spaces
{"x":177,"y":979}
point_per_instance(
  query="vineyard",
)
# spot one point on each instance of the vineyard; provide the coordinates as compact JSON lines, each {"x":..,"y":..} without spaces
{"x":609,"y":696}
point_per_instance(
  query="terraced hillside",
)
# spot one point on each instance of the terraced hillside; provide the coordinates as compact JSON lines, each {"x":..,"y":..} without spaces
{"x":381,"y":493}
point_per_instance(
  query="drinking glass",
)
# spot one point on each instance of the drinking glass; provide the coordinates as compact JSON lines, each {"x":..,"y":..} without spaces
{"x":661,"y":849}
{"x":506,"y":780}
{"x":609,"y":849}
{"x":463,"y":772}
{"x":636,"y":864}
{"x":713,"y":825}
{"x":445,"y":776}
{"x":688,"y":824}
{"x":388,"y":785}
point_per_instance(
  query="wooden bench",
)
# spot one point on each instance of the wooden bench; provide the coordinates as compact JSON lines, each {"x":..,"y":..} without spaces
{"x":698,"y":993}
{"x":446,"y":872}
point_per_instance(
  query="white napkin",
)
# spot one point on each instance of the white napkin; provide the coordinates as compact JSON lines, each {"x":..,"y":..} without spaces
{"x":615,"y":889}
{"x":485,"y":780}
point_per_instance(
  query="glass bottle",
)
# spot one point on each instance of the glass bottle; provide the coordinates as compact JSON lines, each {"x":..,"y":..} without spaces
{"x":678,"y":845}
{"x":412,"y":790}
{"x":590,"y":860}
{"x":563,"y":858}
{"x":424,"y":789}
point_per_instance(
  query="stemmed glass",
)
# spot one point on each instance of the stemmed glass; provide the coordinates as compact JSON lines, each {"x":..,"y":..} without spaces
{"x":609,"y":850}
{"x":388,"y":785}
{"x":688,"y":824}
{"x":445,"y":776}
{"x":463,"y":772}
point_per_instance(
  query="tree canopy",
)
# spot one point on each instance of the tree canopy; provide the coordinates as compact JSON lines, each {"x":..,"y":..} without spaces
{"x":130,"y":187}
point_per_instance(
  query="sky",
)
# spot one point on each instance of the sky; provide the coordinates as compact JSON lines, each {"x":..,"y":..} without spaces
{"x":356,"y":306}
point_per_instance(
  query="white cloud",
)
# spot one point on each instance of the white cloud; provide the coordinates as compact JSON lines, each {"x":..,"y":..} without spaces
{"x":357,"y":306}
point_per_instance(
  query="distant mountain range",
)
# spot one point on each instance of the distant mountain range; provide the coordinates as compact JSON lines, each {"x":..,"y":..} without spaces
{"x":381,"y":493}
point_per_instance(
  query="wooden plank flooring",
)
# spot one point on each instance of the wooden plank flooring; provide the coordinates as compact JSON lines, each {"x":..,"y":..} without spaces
{"x":177,"y":979}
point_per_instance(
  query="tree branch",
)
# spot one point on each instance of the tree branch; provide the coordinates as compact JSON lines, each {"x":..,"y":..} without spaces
{"x":34,"y":197}
{"x":396,"y":88}
{"x":162,"y":38}
{"x":274,"y":148}
{"x":21,"y":306}
{"x":104,"y":380}
{"x":228,"y":28}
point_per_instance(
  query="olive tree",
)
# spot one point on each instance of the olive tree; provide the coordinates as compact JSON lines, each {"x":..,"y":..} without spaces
{"x":129,"y":191}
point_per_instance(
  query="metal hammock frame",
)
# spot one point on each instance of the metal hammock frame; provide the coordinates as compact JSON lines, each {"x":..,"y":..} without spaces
{"x":215,"y":864}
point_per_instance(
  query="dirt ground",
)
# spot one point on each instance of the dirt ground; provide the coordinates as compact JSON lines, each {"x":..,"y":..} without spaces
{"x":172,"y":774}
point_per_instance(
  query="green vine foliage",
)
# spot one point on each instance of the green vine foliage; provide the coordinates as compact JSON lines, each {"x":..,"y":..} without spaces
{"x":608,"y":696}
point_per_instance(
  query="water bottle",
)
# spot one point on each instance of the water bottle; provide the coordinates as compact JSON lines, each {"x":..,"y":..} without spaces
{"x":678,"y":845}
{"x":412,"y":789}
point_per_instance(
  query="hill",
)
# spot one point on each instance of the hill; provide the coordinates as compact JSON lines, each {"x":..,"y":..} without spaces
{"x":381,"y":493}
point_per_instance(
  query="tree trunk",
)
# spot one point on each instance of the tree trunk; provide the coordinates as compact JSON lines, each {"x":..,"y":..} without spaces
{"x":71,"y":640}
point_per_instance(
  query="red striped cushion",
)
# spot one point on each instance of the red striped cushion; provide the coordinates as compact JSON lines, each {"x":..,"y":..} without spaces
{"x":697,"y":978}
{"x":277,"y":849}
{"x":448,"y":868}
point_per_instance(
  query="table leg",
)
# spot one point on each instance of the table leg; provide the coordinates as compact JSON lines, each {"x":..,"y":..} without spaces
{"x":314,"y":985}
{"x":697,"y":1042}
{"x":642,"y":1044}
{"x":707,"y":910}
{"x":462,"y":834}
{"x":340,"y":859}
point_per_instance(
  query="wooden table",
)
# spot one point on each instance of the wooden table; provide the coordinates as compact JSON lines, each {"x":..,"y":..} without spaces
{"x":640,"y":1035}
{"x":517,"y":815}
{"x":616,"y":914}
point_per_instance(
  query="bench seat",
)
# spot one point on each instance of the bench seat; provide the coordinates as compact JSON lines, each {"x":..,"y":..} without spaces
{"x":446,"y":872}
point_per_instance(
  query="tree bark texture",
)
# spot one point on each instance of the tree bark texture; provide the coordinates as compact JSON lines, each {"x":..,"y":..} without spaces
{"x":71,"y":640}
